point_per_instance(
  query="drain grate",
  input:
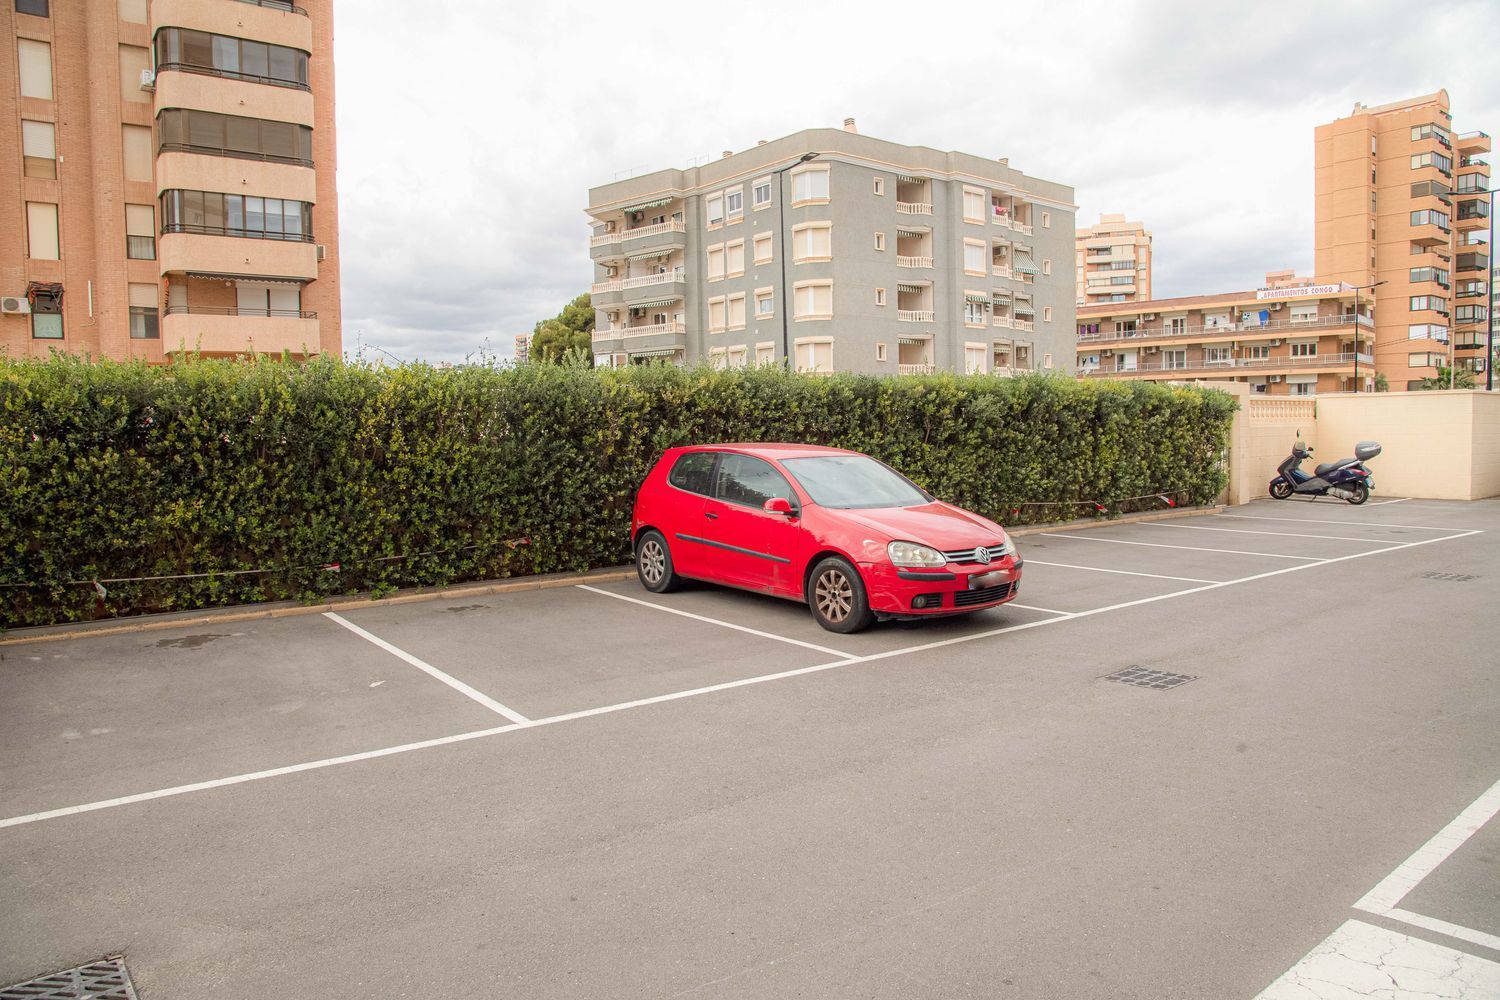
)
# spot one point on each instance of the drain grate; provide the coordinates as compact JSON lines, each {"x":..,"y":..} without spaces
{"x":102,"y":980}
{"x":1452,"y":577}
{"x":1156,"y":680}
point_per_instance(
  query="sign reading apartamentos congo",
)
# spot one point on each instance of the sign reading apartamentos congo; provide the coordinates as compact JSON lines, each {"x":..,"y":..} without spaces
{"x":1300,"y":291}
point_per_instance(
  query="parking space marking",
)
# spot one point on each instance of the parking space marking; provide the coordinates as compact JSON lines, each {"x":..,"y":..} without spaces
{"x":1192,"y":548}
{"x":1324,"y":520}
{"x":1123,"y":572}
{"x":714,"y":621}
{"x":745,"y":682}
{"x":1282,"y":534}
{"x":1033,"y":607}
{"x":427,"y":668}
{"x":1363,"y":960}
{"x":1384,"y":899}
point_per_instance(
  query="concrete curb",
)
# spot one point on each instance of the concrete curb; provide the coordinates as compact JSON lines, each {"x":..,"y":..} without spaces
{"x":290,"y":609}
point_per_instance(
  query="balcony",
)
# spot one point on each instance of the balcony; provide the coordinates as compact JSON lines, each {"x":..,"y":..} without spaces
{"x":1233,"y":331}
{"x":262,"y":20}
{"x":918,"y":368}
{"x":916,"y":316}
{"x":914,"y":207}
{"x":235,"y":256}
{"x":1473,"y":142}
{"x":191,"y":172}
{"x":647,"y":330}
{"x":670,"y":235}
{"x":1472,"y":262}
{"x":239,"y":331}
{"x":1000,"y":270}
{"x":913,"y":261}
{"x":1020,"y":323}
{"x":1230,"y":367}
{"x":1005,"y":322}
{"x":639,"y":290}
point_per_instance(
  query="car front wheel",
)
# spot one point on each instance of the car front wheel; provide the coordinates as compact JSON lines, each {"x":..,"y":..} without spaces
{"x":653,"y":564}
{"x":837,"y":597}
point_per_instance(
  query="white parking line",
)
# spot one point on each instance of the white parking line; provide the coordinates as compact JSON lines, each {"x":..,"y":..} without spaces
{"x":713,"y":621}
{"x":1123,"y":572}
{"x":427,"y":668}
{"x":1362,"y":960}
{"x":1190,"y":548}
{"x":1325,"y":520}
{"x":676,"y":696}
{"x":1282,"y":534}
{"x":1033,"y":607}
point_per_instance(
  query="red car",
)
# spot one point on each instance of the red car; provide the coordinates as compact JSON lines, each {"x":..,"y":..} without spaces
{"x":849,"y":535}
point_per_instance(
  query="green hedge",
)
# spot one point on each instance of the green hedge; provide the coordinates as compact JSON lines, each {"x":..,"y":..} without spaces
{"x":419,"y":476}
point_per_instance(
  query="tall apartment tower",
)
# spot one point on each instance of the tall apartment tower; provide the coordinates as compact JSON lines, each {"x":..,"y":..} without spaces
{"x":1401,"y":199}
{"x":1113,"y":262}
{"x":838,"y":251}
{"x":174,"y":187}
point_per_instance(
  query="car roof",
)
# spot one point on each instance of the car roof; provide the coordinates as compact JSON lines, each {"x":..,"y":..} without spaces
{"x":778,"y":451}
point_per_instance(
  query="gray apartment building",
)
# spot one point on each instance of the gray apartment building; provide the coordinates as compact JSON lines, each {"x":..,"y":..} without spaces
{"x":840,"y":251}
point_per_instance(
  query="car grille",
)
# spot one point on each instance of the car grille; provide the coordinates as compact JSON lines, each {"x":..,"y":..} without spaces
{"x":965,"y":557}
{"x":968,"y":598}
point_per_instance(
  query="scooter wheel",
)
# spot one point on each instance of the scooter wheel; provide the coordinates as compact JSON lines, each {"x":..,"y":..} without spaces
{"x":1360,"y":492}
{"x":1281,"y":489}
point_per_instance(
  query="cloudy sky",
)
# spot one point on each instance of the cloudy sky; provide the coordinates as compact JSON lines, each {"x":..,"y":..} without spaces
{"x":470,"y":131}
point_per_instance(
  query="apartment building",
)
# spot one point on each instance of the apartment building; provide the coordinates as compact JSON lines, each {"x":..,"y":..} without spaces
{"x":837,"y":251}
{"x":523,"y":348}
{"x":1402,"y":199}
{"x":1289,"y":337}
{"x":1113,"y":262}
{"x":172,"y":180}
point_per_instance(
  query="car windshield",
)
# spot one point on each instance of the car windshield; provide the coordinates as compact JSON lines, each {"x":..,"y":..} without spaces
{"x":853,"y":481}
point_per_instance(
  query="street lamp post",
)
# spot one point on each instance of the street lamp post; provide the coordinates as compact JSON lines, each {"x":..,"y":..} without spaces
{"x":1357,"y":290}
{"x":786,"y":302}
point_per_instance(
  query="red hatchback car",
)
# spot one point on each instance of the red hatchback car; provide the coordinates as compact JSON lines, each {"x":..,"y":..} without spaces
{"x":849,"y":535}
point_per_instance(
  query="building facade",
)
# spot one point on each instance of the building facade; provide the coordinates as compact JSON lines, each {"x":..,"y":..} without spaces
{"x":837,"y":251}
{"x":523,"y":348}
{"x":174,"y":183}
{"x":1113,"y":262}
{"x":1290,"y":337}
{"x":1401,"y":199}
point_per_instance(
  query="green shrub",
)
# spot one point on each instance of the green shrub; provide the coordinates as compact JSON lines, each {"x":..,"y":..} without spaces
{"x":419,"y":476}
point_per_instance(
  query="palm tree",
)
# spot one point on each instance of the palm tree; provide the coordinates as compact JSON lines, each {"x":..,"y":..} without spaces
{"x":1448,"y":378}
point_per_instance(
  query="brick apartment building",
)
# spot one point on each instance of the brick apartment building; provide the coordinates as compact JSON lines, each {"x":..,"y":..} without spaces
{"x":173,"y":179}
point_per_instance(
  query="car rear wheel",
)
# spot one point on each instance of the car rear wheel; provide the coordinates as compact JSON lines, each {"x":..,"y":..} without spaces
{"x":653,"y":564}
{"x":837,"y":597}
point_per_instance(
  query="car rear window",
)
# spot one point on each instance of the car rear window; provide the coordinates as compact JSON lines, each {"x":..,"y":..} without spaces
{"x":693,"y":472}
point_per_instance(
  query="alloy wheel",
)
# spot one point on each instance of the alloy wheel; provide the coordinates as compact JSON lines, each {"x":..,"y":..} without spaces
{"x":653,"y":561}
{"x":835,"y":595}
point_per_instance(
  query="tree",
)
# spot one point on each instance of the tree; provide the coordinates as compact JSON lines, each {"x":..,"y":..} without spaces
{"x":1382,"y":384}
{"x":1447,"y":378}
{"x":569,"y":332}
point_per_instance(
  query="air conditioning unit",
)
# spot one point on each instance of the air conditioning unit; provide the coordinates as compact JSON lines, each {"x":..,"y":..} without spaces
{"x":1149,"y":316}
{"x":1275,"y":343}
{"x":1277,"y":307}
{"x":322,"y":251}
{"x":1273,"y":378}
{"x":148,"y":79}
{"x":1152,"y":350}
{"x":14,"y":305}
{"x":1106,"y":354}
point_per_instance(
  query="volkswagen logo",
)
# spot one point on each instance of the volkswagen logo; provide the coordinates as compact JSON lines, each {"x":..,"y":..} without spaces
{"x":982,"y":555}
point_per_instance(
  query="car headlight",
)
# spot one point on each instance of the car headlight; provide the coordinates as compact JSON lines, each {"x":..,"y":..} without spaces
{"x":1007,"y":548}
{"x":912,"y":554}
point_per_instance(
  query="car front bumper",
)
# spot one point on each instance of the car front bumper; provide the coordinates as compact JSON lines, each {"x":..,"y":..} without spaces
{"x":951,"y":590}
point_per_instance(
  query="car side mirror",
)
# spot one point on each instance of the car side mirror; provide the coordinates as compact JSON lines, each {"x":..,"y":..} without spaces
{"x":778,"y":505}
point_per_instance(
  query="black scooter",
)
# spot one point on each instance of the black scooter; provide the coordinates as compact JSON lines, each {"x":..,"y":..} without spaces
{"x":1347,"y":479}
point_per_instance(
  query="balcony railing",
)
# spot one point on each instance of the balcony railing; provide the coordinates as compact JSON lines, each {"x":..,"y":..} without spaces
{"x":620,"y":236}
{"x":172,"y":310}
{"x":1000,"y":270}
{"x":1022,"y":324}
{"x":1235,"y":365}
{"x":916,"y":315}
{"x":1285,"y":326}
{"x":231,"y":74}
{"x":650,"y":330}
{"x":913,"y":261}
{"x":914,"y":207}
{"x":247,"y":234}
{"x":276,"y":5}
{"x":637,"y":282}
{"x":1023,"y":228}
{"x":1004,"y":321}
{"x":922,"y":368}
{"x":235,"y":154}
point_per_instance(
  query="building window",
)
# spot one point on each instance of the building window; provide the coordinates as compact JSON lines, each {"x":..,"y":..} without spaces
{"x":713,"y":210}
{"x":140,"y":232}
{"x":1174,"y":359}
{"x":734,"y":203}
{"x":191,"y":131}
{"x":1436,"y":302}
{"x":765,"y":353}
{"x":227,"y":56}
{"x":760,"y":193}
{"x":1046,"y":265}
{"x":1301,"y":388}
{"x":736,"y":306}
{"x":812,"y":241}
{"x":763,"y":251}
{"x":46,"y":315}
{"x":716,"y":314}
{"x":135,"y":145}
{"x":880,"y":354}
{"x":135,"y":61}
{"x":41,"y":232}
{"x":1046,"y":314}
{"x":973,"y":257}
{"x":880,"y":241}
{"x":737,"y":356}
{"x":214,"y":214}
{"x":716,"y":262}
{"x":1420,"y":132}
{"x":815,"y":356}
{"x":1046,"y":220}
{"x":36,"y":8}
{"x":1428,"y":217}
{"x":1260,"y":352}
{"x":810,"y":185}
{"x":813,"y":300}
{"x":765,"y":303}
{"x":973,"y":204}
{"x":144,"y":315}
{"x":734,"y":259}
{"x":1443,"y":163}
{"x":1177,"y":325}
{"x":36,"y":68}
{"x":976,"y":311}
{"x":133,"y":11}
{"x":39,"y":150}
{"x":1427,"y":331}
{"x":880,"y":296}
{"x":1304,"y":348}
{"x":717,"y":357}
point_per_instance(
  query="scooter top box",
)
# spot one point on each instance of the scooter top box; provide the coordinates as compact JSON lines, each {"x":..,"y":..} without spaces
{"x":1366,"y":450}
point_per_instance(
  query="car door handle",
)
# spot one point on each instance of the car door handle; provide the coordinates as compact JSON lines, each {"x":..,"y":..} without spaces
{"x":711,"y":515}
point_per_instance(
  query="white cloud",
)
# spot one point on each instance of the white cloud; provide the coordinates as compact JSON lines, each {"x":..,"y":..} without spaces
{"x":469,"y":132}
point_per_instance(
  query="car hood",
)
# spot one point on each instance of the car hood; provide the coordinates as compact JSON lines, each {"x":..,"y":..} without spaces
{"x":938,"y":524}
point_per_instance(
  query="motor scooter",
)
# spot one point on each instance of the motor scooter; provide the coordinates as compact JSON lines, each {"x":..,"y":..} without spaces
{"x":1347,"y":479}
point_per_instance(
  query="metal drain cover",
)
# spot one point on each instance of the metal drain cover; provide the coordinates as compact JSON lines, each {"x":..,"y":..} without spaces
{"x":102,"y":980}
{"x":1156,"y":680}
{"x":1454,"y":577}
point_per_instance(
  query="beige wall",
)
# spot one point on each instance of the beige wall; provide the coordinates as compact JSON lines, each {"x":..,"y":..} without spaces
{"x":1437,"y":445}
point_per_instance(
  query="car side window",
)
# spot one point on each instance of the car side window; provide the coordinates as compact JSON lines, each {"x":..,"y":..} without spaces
{"x":693,"y":472}
{"x":751,"y":481}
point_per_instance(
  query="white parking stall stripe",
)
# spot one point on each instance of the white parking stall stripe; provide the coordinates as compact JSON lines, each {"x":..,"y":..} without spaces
{"x":1033,"y":607}
{"x":1122,"y":572}
{"x":427,"y":668}
{"x":1325,"y":520}
{"x":1363,"y":960}
{"x":1484,"y":938}
{"x":1393,"y":888}
{"x":746,"y":682}
{"x":713,"y":621}
{"x":1283,"y":534}
{"x":1191,"y":548}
